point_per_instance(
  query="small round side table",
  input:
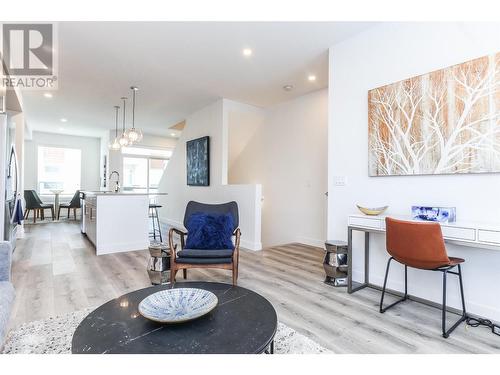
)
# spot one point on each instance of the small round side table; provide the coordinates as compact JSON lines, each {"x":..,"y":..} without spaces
{"x":335,"y":263}
{"x":159,"y":263}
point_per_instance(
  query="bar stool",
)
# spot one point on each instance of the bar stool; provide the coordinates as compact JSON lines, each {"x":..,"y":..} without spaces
{"x":421,"y":245}
{"x":155,"y":220}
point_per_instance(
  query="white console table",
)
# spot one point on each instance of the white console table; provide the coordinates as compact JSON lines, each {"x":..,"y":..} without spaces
{"x":481,"y":235}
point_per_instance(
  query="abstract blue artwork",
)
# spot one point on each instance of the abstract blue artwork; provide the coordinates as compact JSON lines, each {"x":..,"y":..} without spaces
{"x":439,"y":214}
{"x":198,"y":162}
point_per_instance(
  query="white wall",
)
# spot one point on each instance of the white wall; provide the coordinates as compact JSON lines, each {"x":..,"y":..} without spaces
{"x":89,"y":146}
{"x":284,"y":148}
{"x":210,"y":121}
{"x":377,"y":57}
{"x":115,"y":159}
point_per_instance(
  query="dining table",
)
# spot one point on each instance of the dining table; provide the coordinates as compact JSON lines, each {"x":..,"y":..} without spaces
{"x":56,"y":193}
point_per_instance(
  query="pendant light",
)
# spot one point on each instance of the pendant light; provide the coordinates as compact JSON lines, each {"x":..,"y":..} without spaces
{"x":123,"y":140}
{"x":134,"y":135}
{"x":115,"y":145}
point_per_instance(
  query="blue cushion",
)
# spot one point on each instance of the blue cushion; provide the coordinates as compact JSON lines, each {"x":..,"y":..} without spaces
{"x":210,"y":231}
{"x":193,"y":253}
{"x":204,"y":260}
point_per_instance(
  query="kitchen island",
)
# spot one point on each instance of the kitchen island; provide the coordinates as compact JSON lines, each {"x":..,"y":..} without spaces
{"x":116,"y":222}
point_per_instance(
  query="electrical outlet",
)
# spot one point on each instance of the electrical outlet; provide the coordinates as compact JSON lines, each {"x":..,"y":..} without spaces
{"x":340,"y":180}
{"x":496,"y":330}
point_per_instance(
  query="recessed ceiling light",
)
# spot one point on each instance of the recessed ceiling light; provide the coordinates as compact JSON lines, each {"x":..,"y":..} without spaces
{"x":48,"y":95}
{"x":64,"y":120}
{"x":247,"y":52}
{"x":173,"y":134}
{"x":288,"y":87}
{"x":311,"y":78}
{"x":61,"y":129}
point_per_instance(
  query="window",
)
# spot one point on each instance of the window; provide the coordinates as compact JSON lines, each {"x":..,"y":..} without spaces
{"x":59,"y":168}
{"x":150,"y":152}
{"x":143,"y":168}
{"x":142,"y":174}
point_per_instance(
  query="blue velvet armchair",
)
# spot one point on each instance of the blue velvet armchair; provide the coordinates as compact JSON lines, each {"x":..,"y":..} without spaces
{"x":186,"y":258}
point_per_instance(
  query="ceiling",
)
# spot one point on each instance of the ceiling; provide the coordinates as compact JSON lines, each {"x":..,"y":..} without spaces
{"x":179,"y":67}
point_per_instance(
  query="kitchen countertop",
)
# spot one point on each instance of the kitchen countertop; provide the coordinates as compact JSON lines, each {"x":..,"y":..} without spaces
{"x":90,"y":192}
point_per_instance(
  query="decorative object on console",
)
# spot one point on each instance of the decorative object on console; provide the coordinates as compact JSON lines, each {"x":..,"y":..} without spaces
{"x":198,"y":162}
{"x":335,"y":263}
{"x":372,"y":211}
{"x":443,"y":122}
{"x":177,"y":305}
{"x":439,"y":214}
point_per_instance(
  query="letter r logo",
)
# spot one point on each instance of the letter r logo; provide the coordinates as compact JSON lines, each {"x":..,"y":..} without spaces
{"x":28,"y":49}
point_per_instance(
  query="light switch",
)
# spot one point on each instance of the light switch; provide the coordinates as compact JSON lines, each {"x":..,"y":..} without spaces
{"x":340,"y":180}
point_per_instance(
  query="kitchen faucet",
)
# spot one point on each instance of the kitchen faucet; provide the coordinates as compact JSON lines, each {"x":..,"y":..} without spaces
{"x":117,"y":185}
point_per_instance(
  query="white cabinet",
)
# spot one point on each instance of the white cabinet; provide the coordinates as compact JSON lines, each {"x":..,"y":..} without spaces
{"x":91,"y":220}
{"x":458,"y":233}
{"x":470,"y":234}
{"x":489,"y":236}
{"x":116,"y":222}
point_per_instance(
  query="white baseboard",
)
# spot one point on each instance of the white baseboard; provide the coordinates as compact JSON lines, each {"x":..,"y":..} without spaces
{"x":173,"y":223}
{"x":249,"y":245}
{"x":311,"y":241}
{"x":122,"y":248}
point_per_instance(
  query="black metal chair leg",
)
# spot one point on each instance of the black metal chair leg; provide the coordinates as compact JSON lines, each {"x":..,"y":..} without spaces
{"x":384,"y":309}
{"x":461,"y":290}
{"x":443,"y":312}
{"x":158,"y":223}
{"x":270,"y":349}
{"x":446,"y":333}
{"x":153,"y":219}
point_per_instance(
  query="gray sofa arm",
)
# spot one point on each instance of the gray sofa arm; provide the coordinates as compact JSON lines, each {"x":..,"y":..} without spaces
{"x":5,"y":260}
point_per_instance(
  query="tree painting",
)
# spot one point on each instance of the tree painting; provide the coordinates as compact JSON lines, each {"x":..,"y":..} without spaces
{"x":443,"y":122}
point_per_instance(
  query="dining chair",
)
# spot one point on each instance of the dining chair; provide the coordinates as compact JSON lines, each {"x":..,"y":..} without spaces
{"x":74,"y":204}
{"x":222,"y":258}
{"x":421,"y":246}
{"x":35,"y":204}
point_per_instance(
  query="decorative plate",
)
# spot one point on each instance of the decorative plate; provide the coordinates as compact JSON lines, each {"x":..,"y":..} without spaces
{"x":177,"y":305}
{"x":372,"y":211}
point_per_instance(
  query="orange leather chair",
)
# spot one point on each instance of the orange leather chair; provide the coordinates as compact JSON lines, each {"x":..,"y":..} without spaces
{"x":421,"y":245}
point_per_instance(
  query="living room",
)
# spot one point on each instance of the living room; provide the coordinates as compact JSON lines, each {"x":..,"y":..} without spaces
{"x":325,"y":186}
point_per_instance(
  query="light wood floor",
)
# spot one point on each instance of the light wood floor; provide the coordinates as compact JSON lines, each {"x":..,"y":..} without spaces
{"x":56,"y":271}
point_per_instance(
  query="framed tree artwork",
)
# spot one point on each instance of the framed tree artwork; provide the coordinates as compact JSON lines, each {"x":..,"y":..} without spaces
{"x":443,"y":122}
{"x":198,"y":162}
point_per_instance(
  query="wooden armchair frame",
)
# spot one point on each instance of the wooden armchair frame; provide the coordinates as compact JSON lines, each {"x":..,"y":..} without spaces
{"x":174,"y":266}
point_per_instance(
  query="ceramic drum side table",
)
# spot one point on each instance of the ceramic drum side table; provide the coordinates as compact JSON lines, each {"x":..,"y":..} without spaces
{"x":335,"y":263}
{"x":159,"y":263}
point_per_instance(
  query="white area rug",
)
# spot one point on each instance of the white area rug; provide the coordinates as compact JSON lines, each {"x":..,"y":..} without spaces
{"x":54,"y":335}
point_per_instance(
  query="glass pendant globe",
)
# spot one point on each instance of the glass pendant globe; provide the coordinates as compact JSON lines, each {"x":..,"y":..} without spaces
{"x":115,"y":145}
{"x":134,"y":135}
{"x":123,"y":141}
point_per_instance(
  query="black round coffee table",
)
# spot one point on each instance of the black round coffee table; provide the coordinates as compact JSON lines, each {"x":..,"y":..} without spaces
{"x":243,"y":322}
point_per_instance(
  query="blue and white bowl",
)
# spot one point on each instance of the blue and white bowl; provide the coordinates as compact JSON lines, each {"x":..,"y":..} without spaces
{"x":177,"y":305}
